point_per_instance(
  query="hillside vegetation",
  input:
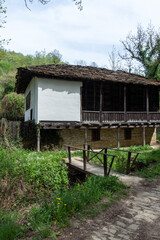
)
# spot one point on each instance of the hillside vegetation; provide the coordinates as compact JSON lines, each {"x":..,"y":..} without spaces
{"x":9,"y":63}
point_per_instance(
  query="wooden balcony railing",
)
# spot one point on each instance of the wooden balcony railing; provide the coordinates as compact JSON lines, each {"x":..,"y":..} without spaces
{"x":96,"y":116}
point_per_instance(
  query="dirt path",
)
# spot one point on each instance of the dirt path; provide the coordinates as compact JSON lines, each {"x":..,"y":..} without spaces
{"x":137,"y":217}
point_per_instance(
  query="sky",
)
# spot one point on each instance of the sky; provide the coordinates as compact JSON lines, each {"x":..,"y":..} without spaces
{"x":87,"y":35}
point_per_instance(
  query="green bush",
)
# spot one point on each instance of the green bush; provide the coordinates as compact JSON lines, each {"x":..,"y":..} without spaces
{"x":152,"y":171}
{"x":41,"y":170}
{"x":12,"y":106}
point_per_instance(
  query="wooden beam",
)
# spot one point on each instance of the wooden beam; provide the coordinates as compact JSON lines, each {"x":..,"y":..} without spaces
{"x":81,"y":104}
{"x":38,"y":138}
{"x":101,"y":99}
{"x":125,"y":104}
{"x":85,"y":138}
{"x":147,"y":103}
{"x":144,"y":136}
{"x":118,"y":142}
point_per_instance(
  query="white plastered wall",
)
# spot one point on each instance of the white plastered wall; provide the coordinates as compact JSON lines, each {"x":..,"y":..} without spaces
{"x":33,"y":87}
{"x":58,"y":100}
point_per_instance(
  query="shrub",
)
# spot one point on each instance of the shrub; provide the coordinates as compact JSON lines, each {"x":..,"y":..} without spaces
{"x":13,"y":106}
{"x":41,"y":170}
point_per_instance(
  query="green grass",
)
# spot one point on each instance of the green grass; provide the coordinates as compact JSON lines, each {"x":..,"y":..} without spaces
{"x":149,"y":164}
{"x":36,"y":196}
{"x":27,"y":176}
{"x":9,"y":229}
{"x":62,"y":206}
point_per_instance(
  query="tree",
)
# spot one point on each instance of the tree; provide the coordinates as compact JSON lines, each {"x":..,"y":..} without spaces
{"x":114,"y":60}
{"x":13,"y":106}
{"x":44,"y":2}
{"x":2,"y":22}
{"x":144,"y":48}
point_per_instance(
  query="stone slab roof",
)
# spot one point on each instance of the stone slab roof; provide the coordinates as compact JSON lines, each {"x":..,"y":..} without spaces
{"x":77,"y":73}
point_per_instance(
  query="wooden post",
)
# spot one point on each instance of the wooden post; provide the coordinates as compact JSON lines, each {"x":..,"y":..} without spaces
{"x":38,"y":139}
{"x":81,"y":116}
{"x":69,"y":154}
{"x":105,"y":162}
{"x":84,"y":160}
{"x":85,"y":138}
{"x":147,"y":103}
{"x":88,"y":148}
{"x":118,"y":142}
{"x":144,"y":136}
{"x":101,"y":99}
{"x":125,"y":105}
{"x":128,"y":163}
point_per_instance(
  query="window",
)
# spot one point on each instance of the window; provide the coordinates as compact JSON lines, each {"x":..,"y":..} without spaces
{"x":28,"y":100}
{"x":95,"y":134}
{"x":127,"y":134}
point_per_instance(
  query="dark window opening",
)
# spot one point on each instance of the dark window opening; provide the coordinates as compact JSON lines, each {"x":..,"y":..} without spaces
{"x":91,"y":96}
{"x":28,"y":100}
{"x":136,"y":98}
{"x":127,"y":134}
{"x":113,"y":97}
{"x":153,"y":99}
{"x":31,"y":114}
{"x":95,"y":134}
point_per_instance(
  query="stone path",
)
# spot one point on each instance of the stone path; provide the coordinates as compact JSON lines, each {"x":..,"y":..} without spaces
{"x":135,"y":218}
{"x":140,"y":219}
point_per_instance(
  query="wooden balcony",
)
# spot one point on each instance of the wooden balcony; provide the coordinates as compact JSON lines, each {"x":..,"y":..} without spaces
{"x":119,"y":117}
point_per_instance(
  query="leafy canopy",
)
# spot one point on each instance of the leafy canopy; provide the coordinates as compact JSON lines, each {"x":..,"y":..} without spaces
{"x":144,"y":48}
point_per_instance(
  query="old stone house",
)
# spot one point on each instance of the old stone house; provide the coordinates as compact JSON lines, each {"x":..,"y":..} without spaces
{"x":91,"y":105}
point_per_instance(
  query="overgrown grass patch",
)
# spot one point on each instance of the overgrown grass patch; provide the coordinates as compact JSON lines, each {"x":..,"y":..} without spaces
{"x":35,"y":185}
{"x":62,"y":206}
{"x":31,"y":175}
{"x":150,"y":164}
{"x":9,"y":229}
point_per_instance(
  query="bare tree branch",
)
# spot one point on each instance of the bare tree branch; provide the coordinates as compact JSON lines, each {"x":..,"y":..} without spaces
{"x":143,"y":47}
{"x":44,"y":2}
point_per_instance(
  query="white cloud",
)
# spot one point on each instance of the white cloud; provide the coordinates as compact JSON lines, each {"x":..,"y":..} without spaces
{"x":86,"y":35}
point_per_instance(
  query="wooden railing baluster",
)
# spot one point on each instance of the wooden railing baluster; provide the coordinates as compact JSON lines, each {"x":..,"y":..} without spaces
{"x":84,"y":160}
{"x":69,"y":154}
{"x":128,"y":163}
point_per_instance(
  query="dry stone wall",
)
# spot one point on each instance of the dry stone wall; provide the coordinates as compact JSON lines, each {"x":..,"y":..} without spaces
{"x":108,"y":137}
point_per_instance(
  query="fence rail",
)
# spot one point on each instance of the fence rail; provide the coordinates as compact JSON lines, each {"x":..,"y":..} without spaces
{"x":96,"y":116}
{"x":86,"y":158}
{"x":131,"y":158}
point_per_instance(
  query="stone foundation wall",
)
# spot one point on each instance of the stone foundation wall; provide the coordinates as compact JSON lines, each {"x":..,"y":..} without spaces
{"x":108,"y":137}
